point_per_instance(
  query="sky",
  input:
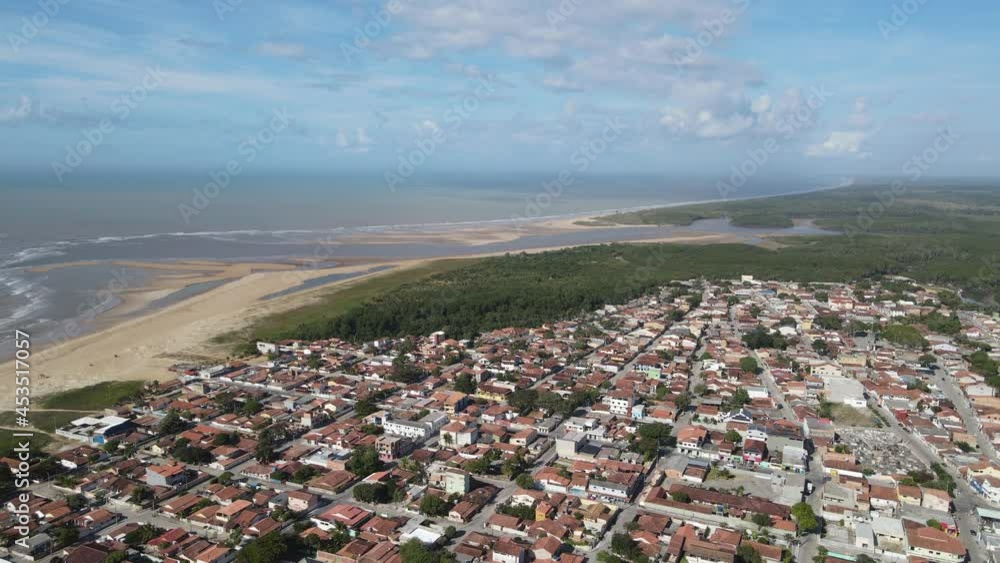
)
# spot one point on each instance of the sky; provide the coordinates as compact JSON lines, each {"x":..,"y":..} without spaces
{"x":409,"y":87}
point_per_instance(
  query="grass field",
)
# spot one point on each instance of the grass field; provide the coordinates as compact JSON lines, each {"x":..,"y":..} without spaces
{"x":844,"y":415}
{"x":70,"y":405}
{"x":92,"y":398}
{"x":39,"y":442}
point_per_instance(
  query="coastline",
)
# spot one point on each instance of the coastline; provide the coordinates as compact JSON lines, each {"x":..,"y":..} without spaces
{"x":138,"y":340}
{"x":143,"y":346}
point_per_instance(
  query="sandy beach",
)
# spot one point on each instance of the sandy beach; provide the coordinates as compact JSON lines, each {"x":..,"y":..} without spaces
{"x":142,"y":348}
{"x":127,"y":346}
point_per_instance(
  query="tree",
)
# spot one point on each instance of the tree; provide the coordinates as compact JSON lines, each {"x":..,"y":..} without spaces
{"x":374,"y":493}
{"x":515,"y":465}
{"x":680,"y":496}
{"x":762,"y":520}
{"x":431,"y":505}
{"x":829,"y":322}
{"x":414,"y":551}
{"x":760,"y":337}
{"x":304,"y":474}
{"x":142,"y":535}
{"x":172,"y":423}
{"x":465,"y":384}
{"x":266,"y":549}
{"x":682,"y":401}
{"x":364,"y":461}
{"x":820,"y":347}
{"x":805,"y":518}
{"x":525,"y":481}
{"x":226,"y":439}
{"x":406,"y":371}
{"x":749,"y":365}
{"x":116,"y":557}
{"x":733,"y":436}
{"x":927,"y":360}
{"x":624,"y":546}
{"x":66,"y":535}
{"x":747,"y":554}
{"x":192,"y":454}
{"x":267,"y":445}
{"x":364,"y":407}
{"x":523,"y":400}
{"x":739,"y":398}
{"x":140,"y":494}
{"x":904,"y":335}
{"x":76,"y":502}
{"x":480,"y":466}
{"x":650,"y":438}
{"x":251,"y":407}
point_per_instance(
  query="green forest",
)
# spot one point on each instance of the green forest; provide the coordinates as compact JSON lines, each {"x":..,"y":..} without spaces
{"x":914,"y":238}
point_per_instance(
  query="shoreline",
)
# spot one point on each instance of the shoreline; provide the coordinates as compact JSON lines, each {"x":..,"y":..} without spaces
{"x":137,"y":341}
{"x":142,"y":347}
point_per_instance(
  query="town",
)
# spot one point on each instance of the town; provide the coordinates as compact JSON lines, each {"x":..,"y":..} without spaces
{"x":737,"y":421}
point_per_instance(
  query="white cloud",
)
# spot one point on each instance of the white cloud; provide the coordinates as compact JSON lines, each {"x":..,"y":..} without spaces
{"x":18,"y":112}
{"x":561,"y":84}
{"x":356,"y":141}
{"x":283,"y":50}
{"x":704,"y":124}
{"x":840,"y":143}
{"x":761,"y":104}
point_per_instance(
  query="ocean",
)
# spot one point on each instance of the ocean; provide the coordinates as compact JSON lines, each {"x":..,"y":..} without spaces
{"x":278,"y":219}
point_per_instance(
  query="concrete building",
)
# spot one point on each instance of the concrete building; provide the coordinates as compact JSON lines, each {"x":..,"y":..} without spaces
{"x":96,"y":430}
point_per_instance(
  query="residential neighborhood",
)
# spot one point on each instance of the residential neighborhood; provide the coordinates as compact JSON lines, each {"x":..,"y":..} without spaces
{"x":736,"y":421}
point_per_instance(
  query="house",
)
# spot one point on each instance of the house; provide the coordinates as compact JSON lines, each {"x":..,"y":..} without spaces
{"x":463,"y":511}
{"x":754,"y":451}
{"x":547,"y":548}
{"x":933,"y":544}
{"x":452,"y":481}
{"x":459,"y":434}
{"x":347,"y":515}
{"x":391,"y":448}
{"x":889,"y":533}
{"x":620,"y":402}
{"x":505,"y":524}
{"x":507,"y":551}
{"x":301,"y":501}
{"x":690,"y":440}
{"x":524,"y":437}
{"x":170,"y":475}
{"x":216,"y":554}
{"x":934,"y":499}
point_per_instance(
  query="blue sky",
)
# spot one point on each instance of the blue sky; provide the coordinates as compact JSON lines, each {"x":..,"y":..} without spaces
{"x":695,"y":84}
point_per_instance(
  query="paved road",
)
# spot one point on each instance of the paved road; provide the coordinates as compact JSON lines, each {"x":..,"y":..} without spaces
{"x":966,"y":500}
{"x":947,"y":385}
